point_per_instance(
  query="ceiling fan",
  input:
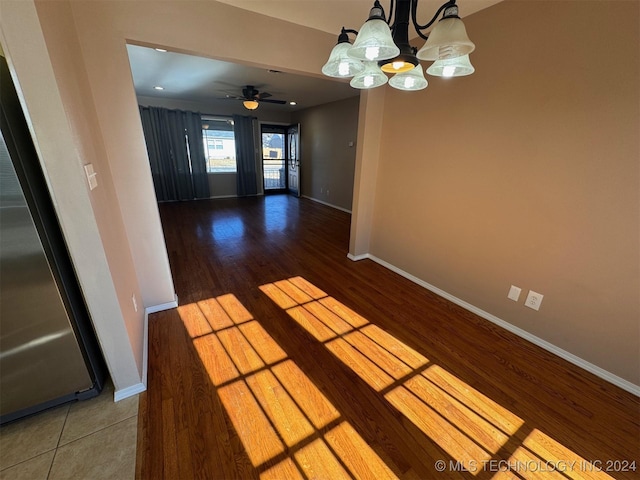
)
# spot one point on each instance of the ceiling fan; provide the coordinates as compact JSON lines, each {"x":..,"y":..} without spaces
{"x":251,"y":97}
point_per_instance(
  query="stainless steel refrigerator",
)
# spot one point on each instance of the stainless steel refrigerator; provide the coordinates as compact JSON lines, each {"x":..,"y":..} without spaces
{"x":48,"y":350}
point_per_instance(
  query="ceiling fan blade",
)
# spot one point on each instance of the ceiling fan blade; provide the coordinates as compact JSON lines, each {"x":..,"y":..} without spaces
{"x":249,"y":92}
{"x":232,"y":97}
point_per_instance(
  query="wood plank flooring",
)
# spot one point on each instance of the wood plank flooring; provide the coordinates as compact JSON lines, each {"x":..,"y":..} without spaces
{"x":287,"y":360}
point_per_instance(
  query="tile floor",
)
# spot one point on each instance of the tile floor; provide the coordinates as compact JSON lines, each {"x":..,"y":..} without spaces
{"x":94,"y":439}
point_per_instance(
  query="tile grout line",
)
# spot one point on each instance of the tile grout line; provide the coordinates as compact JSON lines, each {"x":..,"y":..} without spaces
{"x":53,"y":459}
{"x":81,"y":438}
{"x":55,"y":450}
{"x":27,"y":459}
{"x":64,"y":424}
{"x":6,"y":467}
{"x":98,"y":430}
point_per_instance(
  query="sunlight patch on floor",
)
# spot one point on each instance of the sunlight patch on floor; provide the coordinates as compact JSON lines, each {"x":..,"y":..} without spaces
{"x":470,"y":427}
{"x":553,"y":453}
{"x":286,"y":425}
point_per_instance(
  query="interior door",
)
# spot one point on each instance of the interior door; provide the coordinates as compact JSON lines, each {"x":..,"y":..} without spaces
{"x":293,"y":159}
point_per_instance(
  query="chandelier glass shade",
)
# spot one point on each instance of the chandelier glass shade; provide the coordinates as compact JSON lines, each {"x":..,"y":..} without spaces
{"x":411,"y":81}
{"x":382,"y":47}
{"x":451,"y":67}
{"x":447,"y":40}
{"x":340,"y":64}
{"x":370,"y":77}
{"x":374,"y":42}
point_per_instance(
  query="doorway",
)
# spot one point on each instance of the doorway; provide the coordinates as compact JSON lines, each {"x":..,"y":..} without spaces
{"x":281,"y":158}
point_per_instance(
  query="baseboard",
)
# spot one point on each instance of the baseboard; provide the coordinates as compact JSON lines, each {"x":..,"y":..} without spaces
{"x":570,"y":357}
{"x":357,"y":258}
{"x":222,"y":196}
{"x":129,"y":392}
{"x":145,"y":347}
{"x":162,"y":306}
{"x":326,"y":203}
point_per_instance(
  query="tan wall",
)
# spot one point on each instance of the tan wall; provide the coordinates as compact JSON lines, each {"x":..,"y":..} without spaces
{"x":370,"y":118}
{"x":61,"y":121}
{"x":103,"y":28}
{"x":117,"y":239}
{"x":65,"y":54}
{"x":327,"y":159}
{"x":527,"y":173}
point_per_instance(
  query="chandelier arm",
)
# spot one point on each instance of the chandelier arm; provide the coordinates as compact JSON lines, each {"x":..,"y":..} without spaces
{"x":417,"y":26}
{"x":391,"y":14}
{"x":344,"y":35}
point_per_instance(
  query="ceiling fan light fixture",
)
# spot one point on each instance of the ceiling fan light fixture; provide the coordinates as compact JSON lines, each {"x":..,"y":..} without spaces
{"x":250,"y":104}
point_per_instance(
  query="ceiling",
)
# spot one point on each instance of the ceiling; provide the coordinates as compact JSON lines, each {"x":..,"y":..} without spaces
{"x":209,"y":81}
{"x":331,"y":15}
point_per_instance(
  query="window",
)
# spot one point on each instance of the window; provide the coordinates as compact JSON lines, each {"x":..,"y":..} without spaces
{"x":219,"y":145}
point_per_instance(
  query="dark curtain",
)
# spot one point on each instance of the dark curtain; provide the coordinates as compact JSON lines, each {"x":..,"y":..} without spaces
{"x":176,"y":153}
{"x":247,"y":177}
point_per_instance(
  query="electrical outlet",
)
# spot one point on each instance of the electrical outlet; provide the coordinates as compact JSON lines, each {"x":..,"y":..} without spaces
{"x":534,"y":300}
{"x":135,"y":304}
{"x":514,"y":293}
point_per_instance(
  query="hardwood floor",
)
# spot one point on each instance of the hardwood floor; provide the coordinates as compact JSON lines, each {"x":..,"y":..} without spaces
{"x":287,"y":360}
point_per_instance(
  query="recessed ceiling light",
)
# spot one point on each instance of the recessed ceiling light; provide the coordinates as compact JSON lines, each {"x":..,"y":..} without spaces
{"x":158,"y":87}
{"x":160,"y":50}
{"x":292,"y":103}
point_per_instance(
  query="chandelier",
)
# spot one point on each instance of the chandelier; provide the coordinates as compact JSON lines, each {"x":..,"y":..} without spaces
{"x":382,"y":47}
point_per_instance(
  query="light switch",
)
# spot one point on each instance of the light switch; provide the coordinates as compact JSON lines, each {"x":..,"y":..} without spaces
{"x":514,"y":293}
{"x":91,"y":176}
